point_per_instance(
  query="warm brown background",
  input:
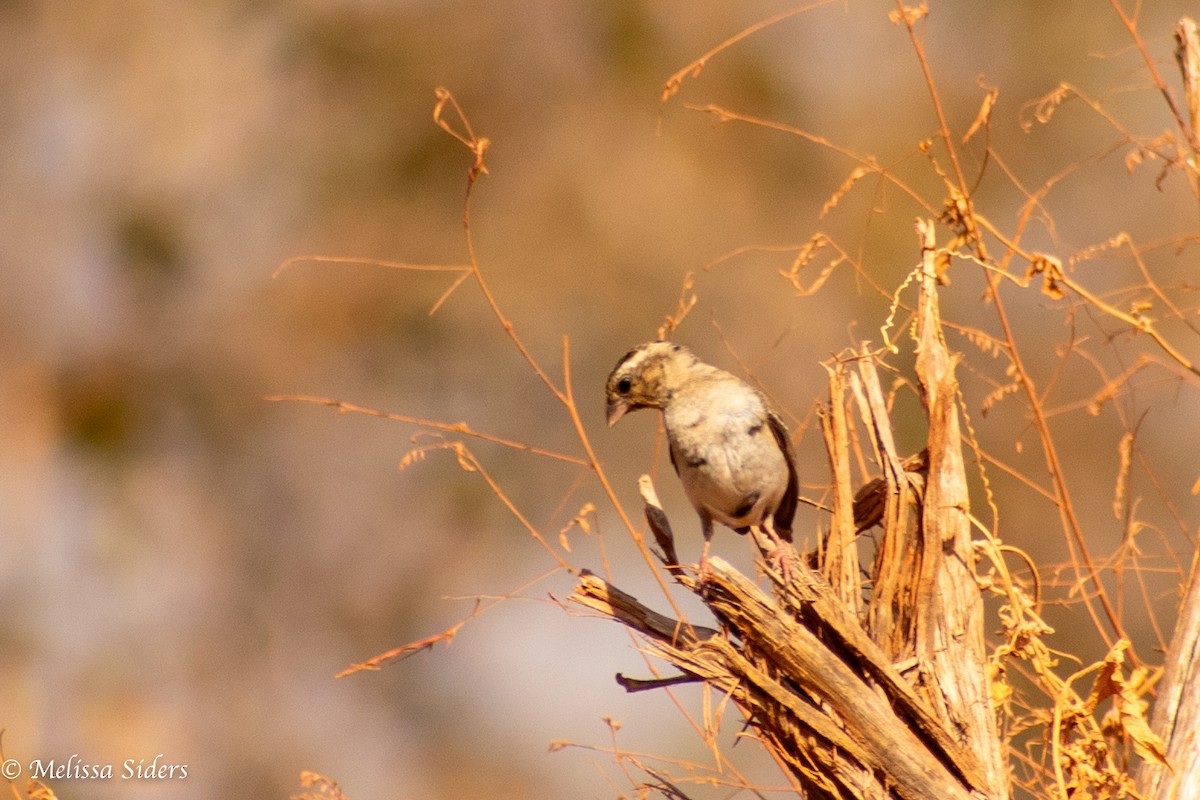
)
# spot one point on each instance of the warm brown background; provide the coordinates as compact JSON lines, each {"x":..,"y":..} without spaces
{"x":184,"y":566}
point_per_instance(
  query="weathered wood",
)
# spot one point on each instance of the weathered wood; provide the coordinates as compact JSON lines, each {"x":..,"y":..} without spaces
{"x":892,"y":607}
{"x":950,"y":648}
{"x":1176,"y":714}
{"x":839,"y":562}
{"x":802,"y":692}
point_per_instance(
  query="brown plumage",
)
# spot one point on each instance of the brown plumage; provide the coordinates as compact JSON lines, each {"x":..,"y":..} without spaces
{"x":731,"y":450}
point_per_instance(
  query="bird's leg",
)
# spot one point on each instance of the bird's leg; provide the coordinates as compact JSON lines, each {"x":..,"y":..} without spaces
{"x":778,"y":557}
{"x":705,"y":571}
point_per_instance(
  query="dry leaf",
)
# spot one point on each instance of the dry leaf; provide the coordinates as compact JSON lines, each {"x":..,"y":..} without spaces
{"x":1129,"y":707}
{"x":855,"y":176}
{"x":984,"y":115}
{"x":1045,"y":106}
{"x":909,"y":15}
{"x":1133,"y":159}
{"x":1125,"y":451}
{"x":580,"y":520}
{"x":1050,"y":268}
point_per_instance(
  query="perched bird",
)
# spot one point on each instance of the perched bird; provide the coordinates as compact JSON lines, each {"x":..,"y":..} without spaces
{"x":730,"y":450}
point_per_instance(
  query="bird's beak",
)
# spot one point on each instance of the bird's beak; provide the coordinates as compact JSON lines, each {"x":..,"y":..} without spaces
{"x":616,"y":409}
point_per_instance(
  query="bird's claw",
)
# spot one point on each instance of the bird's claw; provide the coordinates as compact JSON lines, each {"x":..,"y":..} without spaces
{"x":779,"y":561}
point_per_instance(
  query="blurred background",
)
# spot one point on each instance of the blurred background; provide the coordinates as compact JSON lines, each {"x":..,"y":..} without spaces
{"x":186,"y":565}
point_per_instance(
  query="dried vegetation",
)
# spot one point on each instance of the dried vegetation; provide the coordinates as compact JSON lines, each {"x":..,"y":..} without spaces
{"x":927,"y":671}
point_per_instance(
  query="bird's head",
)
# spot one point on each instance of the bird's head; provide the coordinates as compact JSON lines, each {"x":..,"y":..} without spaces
{"x":644,"y":377}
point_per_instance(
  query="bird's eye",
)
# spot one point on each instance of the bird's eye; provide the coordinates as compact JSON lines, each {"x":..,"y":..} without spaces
{"x":623,"y":386}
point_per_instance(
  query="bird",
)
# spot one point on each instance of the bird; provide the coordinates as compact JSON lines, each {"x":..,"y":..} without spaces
{"x":731,"y":450}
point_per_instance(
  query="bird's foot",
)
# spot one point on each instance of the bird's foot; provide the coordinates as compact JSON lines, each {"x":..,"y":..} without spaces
{"x":781,"y":554}
{"x":780,"y":561}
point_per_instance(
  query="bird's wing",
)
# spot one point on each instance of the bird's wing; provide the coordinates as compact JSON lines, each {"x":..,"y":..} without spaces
{"x":786,"y":511}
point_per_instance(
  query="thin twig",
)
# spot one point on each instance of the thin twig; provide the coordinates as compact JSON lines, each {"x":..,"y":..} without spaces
{"x":449,"y":427}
